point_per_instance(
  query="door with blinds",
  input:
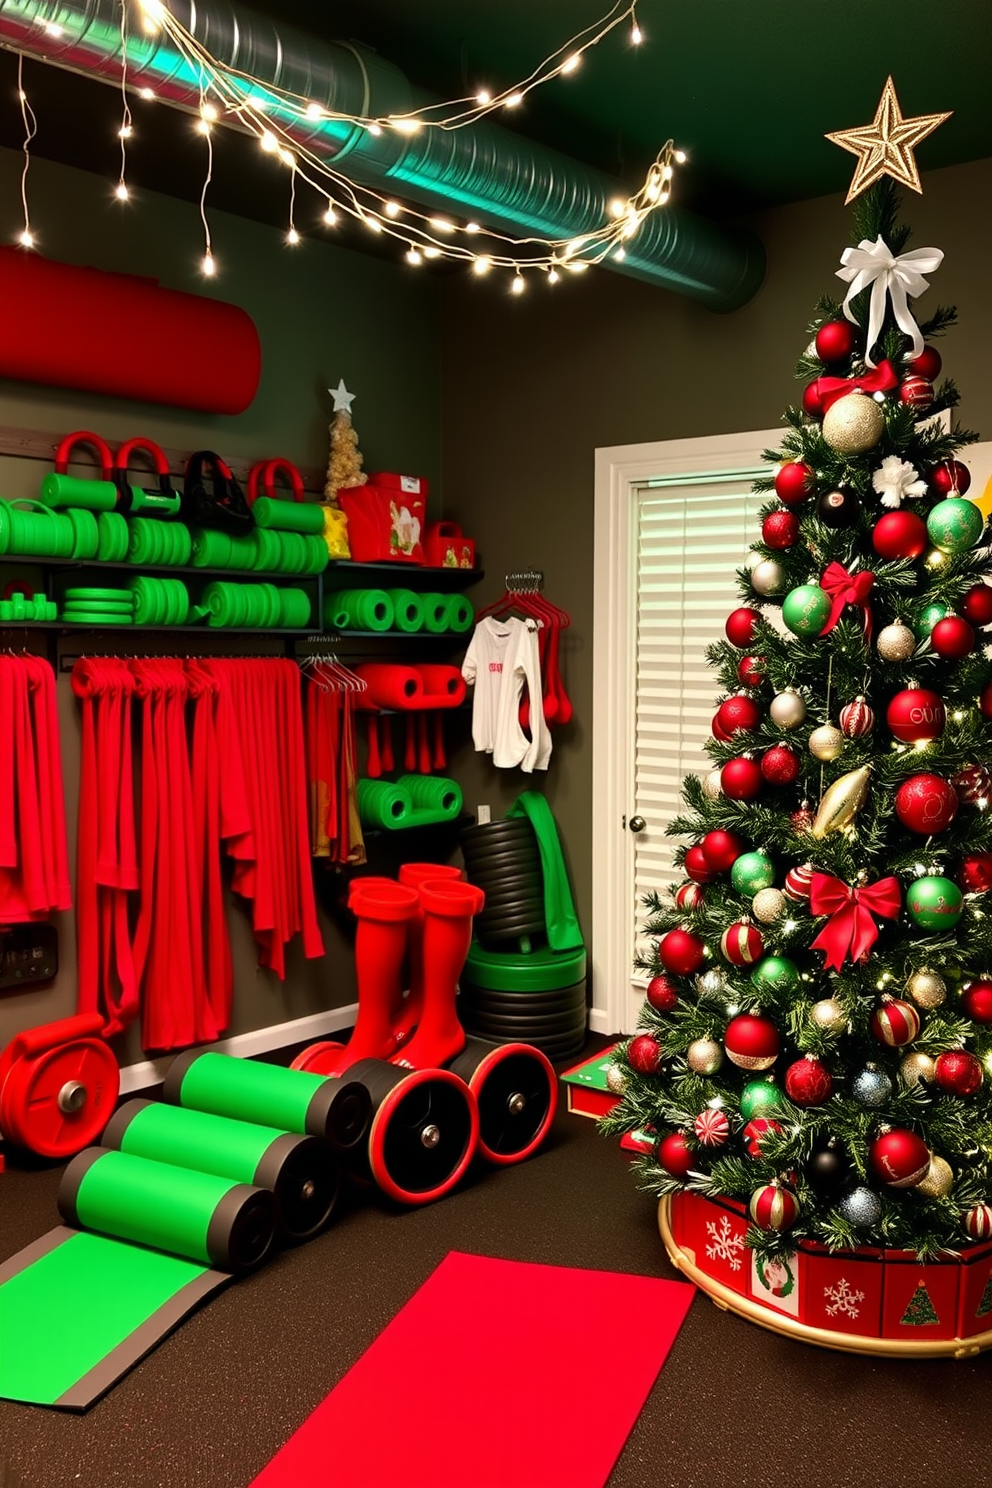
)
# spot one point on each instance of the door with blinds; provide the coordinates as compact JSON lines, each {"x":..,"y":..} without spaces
{"x":691,"y":534}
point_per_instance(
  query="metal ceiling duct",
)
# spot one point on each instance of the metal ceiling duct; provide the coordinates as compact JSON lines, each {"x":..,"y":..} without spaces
{"x":498,"y":177}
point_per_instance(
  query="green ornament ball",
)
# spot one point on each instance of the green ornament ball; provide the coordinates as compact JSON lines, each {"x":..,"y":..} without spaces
{"x":934,"y":903}
{"x":805,"y":609}
{"x":928,"y":618}
{"x":955,"y":525}
{"x":752,"y":871}
{"x":776,"y":973}
{"x":759,"y":1096}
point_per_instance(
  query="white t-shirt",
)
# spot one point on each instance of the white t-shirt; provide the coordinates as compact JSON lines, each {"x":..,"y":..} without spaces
{"x":501,"y":657}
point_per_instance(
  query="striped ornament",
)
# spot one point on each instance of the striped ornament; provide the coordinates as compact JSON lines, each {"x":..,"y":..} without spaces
{"x":742,"y":943}
{"x":895,"y":1023}
{"x":774,"y":1207}
{"x":712,"y":1128}
{"x":799,"y":882}
{"x":978,"y":1222}
{"x":689,"y":896}
{"x":857,"y":719}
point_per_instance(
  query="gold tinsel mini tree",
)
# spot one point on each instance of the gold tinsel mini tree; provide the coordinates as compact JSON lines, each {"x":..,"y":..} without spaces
{"x":344,"y":465}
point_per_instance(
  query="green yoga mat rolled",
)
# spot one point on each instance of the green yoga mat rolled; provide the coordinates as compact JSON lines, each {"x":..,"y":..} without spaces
{"x":66,"y":490}
{"x":413,"y":801}
{"x":161,"y":543}
{"x":437,"y":613}
{"x":299,"y":1171}
{"x":256,"y":606}
{"x":339,"y":1111}
{"x":159,"y":601}
{"x":433,"y":793}
{"x":408,"y":609}
{"x":359,"y":609}
{"x":461,"y":614}
{"x":288,"y":516}
{"x":382,"y":804}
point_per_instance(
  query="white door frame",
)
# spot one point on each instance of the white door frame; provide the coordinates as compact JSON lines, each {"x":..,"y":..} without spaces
{"x":620,"y":469}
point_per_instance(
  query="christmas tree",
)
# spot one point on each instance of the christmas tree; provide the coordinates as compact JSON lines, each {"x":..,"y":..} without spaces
{"x":344,"y":465}
{"x":816,"y":1039}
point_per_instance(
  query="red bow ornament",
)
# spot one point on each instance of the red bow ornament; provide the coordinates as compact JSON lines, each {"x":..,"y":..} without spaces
{"x":844,"y":589}
{"x":851,"y":928}
{"x":882,"y":380}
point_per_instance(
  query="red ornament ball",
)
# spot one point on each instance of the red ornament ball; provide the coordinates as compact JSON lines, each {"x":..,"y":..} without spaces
{"x":742,"y":943}
{"x":813,"y":400}
{"x":780,"y":529}
{"x":952,"y":638}
{"x":753,"y":1132}
{"x":749,"y":669}
{"x":895,"y":1023}
{"x":976,"y":999}
{"x":722,"y":849}
{"x":752,"y":1042}
{"x":856,"y":719}
{"x":926,"y":804}
{"x":742,"y":626}
{"x":985,"y":701}
{"x":835,"y":341}
{"x":799,"y":882}
{"x":644,"y":1054}
{"x":689,"y":896}
{"x":681,"y":953}
{"x":674,"y":1155}
{"x":774,"y":1207}
{"x":978,"y":1222}
{"x":958,"y":1072}
{"x":950,"y":479}
{"x":802,"y":818}
{"x":916,"y":392}
{"x":780,"y":765}
{"x":696,"y":866}
{"x":975,"y":873}
{"x":927,"y":364}
{"x":719,"y":732}
{"x":977,"y":604}
{"x":662,"y":994}
{"x":712,"y":1128}
{"x":899,"y":1158}
{"x":738,"y":714}
{"x":973,"y":784}
{"x":916,"y":713}
{"x":808,"y":1082}
{"x":740,"y":779}
{"x":899,"y":534}
{"x":794,"y":482}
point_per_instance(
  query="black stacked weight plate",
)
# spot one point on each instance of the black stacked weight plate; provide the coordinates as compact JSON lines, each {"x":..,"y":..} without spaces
{"x":537,"y":998}
{"x":503,"y":860}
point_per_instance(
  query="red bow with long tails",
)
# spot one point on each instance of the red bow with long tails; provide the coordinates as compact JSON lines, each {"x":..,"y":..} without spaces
{"x":851,"y":928}
{"x":882,"y":380}
{"x":844,"y":589}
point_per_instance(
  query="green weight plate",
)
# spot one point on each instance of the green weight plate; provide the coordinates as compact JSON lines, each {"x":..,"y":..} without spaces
{"x":97,"y":621}
{"x":512,"y":971}
{"x":184,"y":544}
{"x":103,"y":606}
{"x":294,"y":551}
{"x":121,"y":596}
{"x":112,"y":545}
{"x":4,"y":526}
{"x":86,"y":533}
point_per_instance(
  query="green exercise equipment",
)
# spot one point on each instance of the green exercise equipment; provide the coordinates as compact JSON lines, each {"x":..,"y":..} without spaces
{"x":288,"y":516}
{"x":435,"y":794}
{"x":408,"y":609}
{"x":360,"y":609}
{"x":66,"y":490}
{"x":383,"y":804}
{"x":112,"y":537}
{"x":437,"y":613}
{"x":461,"y":614}
{"x":413,"y":801}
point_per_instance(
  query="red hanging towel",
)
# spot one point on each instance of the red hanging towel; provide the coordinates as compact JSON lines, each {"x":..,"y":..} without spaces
{"x":48,"y":757}
{"x":23,"y":891}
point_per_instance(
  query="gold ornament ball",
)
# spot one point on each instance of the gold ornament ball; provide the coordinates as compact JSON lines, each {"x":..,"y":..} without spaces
{"x":896,"y":642}
{"x":787,"y":709}
{"x":828,"y":1015}
{"x":927,"y":989}
{"x":914,"y":1068}
{"x":939,"y":1180}
{"x":616,"y":1080}
{"x":712,"y":788}
{"x":704,"y":1056}
{"x":826,"y":742}
{"x":768,"y":905}
{"x":853,"y":424}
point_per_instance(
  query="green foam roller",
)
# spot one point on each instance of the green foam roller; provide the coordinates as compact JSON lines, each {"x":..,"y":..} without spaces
{"x":318,"y":554}
{"x":433,"y":793}
{"x":149,"y":601}
{"x":437,"y":613}
{"x":383,"y":804}
{"x":66,"y":490}
{"x":267,"y":548}
{"x":85,"y":533}
{"x":408,"y":609}
{"x":199,"y":1215}
{"x":288,"y":516}
{"x":294,"y":553}
{"x":336,"y":1109}
{"x":113,"y":537}
{"x":461,"y":614}
{"x":242,"y":554}
{"x":362,"y":609}
{"x":210,"y":549}
{"x":299,"y":1171}
{"x":294,"y":609}
{"x":142,"y":546}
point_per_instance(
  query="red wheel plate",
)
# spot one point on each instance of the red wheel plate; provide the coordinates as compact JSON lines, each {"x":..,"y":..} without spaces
{"x":309,"y":1058}
{"x":29,"y":1099}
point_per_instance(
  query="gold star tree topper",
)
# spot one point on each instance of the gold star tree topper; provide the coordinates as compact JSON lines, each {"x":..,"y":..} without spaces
{"x":885,"y":146}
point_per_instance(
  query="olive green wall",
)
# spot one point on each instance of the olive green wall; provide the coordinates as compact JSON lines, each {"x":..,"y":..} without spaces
{"x":322,"y":313}
{"x":533,"y":385}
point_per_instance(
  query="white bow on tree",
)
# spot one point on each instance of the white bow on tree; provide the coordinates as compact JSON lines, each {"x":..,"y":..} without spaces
{"x":876,"y":265}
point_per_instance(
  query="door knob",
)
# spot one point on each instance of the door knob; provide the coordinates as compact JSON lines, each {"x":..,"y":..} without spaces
{"x":637,"y":824}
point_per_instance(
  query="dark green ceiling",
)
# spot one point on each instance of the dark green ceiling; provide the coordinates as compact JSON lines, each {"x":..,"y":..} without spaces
{"x":748,"y":87}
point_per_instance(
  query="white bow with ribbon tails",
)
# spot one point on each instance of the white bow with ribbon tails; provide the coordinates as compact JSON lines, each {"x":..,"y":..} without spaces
{"x":875,"y":264}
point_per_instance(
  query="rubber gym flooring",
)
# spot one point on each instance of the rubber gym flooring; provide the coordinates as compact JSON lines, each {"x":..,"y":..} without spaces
{"x":733,"y":1404}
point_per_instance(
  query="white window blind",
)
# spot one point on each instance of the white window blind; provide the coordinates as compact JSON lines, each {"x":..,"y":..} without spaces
{"x":693,"y":533}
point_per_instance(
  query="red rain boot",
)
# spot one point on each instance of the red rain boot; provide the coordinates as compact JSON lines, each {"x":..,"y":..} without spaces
{"x":448,"y":911}
{"x":413,"y":875}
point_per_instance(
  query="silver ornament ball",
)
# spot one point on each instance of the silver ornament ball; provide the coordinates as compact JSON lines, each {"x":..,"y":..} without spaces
{"x":712,"y":789}
{"x":828,"y":1015}
{"x":853,"y":424}
{"x":871,"y":1087}
{"x":704,"y":1056}
{"x":787,"y":709}
{"x":927,"y":989}
{"x":768,"y":905}
{"x":826,"y":742}
{"x":861,"y":1208}
{"x":711,"y":984}
{"x":896,"y":642}
{"x":768,"y":577}
{"x":616,"y":1080}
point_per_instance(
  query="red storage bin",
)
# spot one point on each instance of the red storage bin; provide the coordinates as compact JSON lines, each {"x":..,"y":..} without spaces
{"x":384,"y":523}
{"x":446,"y":546}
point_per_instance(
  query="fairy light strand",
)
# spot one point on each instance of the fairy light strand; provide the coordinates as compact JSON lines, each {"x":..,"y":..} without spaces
{"x":25,"y":237}
{"x":124,"y":133}
{"x":208,"y":264}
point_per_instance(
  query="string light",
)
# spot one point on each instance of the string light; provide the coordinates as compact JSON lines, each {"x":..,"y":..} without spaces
{"x":330,"y":216}
{"x":392,"y":209}
{"x":571,"y":63}
{"x":207,"y":264}
{"x":124,"y":133}
{"x":518,"y":283}
{"x":414,"y":256}
{"x":26,"y":236}
{"x":292,"y":236}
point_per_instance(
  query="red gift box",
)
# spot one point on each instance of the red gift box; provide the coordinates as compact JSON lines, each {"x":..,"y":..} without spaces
{"x":919,"y":1299}
{"x":410,"y":485}
{"x":446,"y":546}
{"x":713,"y":1232}
{"x":384,"y":523}
{"x":975,"y":1291}
{"x":841,"y":1289}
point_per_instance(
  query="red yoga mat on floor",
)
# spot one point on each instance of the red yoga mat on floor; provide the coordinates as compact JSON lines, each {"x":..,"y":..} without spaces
{"x":488,"y":1378}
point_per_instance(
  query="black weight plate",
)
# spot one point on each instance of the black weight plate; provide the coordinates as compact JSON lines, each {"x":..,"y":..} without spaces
{"x":518,"y":852}
{"x":498,"y":831}
{"x":509,"y":922}
{"x":524,"y":1002}
{"x":494,"y":938}
{"x":550,"y":1025}
{"x":514,"y":904}
{"x":511,"y":883}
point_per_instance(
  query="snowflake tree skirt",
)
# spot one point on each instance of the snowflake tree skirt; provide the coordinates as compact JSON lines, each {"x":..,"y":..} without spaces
{"x":867,"y":1301}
